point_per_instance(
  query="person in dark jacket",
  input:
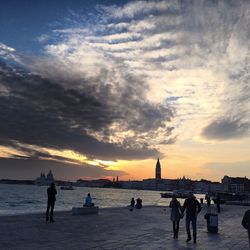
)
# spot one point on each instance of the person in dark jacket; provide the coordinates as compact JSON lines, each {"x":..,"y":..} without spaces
{"x":51,"y":192}
{"x":208,"y":199}
{"x":192,"y":207}
{"x":138,"y":203}
{"x":246,"y":223}
{"x":132,"y":202}
{"x":175,"y":215}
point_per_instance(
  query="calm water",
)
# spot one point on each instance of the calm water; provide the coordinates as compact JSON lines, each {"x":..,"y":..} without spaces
{"x":18,"y":199}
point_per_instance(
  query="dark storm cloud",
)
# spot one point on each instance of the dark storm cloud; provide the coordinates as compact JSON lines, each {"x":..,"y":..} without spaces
{"x":31,"y":168}
{"x":226,"y":128}
{"x":42,"y":112}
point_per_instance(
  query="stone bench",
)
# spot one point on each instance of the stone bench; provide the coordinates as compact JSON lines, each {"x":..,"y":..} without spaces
{"x":84,"y":210}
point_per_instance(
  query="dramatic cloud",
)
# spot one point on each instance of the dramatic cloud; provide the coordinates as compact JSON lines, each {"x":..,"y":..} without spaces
{"x":87,"y":117}
{"x":123,"y":81}
{"x":31,"y":168}
{"x":226,"y":128}
{"x":178,"y":48}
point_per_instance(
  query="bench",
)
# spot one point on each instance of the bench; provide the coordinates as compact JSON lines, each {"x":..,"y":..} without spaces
{"x":84,"y":210}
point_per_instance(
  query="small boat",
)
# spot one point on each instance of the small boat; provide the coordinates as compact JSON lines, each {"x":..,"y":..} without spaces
{"x":167,"y":195}
{"x":227,"y":197}
{"x":178,"y":194}
{"x":68,"y":187}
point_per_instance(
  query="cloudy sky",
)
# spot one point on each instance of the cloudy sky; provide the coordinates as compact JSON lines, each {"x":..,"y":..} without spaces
{"x":95,"y":89}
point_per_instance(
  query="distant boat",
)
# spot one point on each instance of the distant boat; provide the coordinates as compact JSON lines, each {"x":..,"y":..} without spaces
{"x":227,"y":197}
{"x":67,"y":187}
{"x":167,"y":195}
{"x":178,"y":194}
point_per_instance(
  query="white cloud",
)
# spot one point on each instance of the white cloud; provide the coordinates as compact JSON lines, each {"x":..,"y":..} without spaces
{"x":199,"y":51}
{"x":9,"y":53}
{"x":132,"y":9}
{"x":5,"y":48}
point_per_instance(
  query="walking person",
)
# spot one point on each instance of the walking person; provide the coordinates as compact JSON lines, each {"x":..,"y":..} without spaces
{"x":192,"y":207}
{"x":51,"y":192}
{"x":175,"y":215}
{"x":246,"y":223}
{"x":208,"y":199}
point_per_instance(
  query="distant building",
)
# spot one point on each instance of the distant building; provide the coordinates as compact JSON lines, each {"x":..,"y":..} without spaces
{"x":44,"y":180}
{"x":131,"y":184}
{"x":185,"y":183}
{"x":149,"y":184}
{"x":216,"y":187}
{"x":205,"y":186}
{"x":94,"y":183}
{"x":236,"y":184}
{"x":167,"y":185}
{"x":158,"y":170}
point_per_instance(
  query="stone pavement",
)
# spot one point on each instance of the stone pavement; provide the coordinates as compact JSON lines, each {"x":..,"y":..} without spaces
{"x":119,"y":228}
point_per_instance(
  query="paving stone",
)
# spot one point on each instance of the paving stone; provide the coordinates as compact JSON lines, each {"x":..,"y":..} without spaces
{"x":118,"y":228}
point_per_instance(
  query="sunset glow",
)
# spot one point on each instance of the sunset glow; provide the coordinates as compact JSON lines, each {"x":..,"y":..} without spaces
{"x":102,"y":88}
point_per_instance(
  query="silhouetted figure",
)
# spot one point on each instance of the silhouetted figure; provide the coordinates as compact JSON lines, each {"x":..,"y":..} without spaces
{"x":218,"y":203}
{"x":138,"y":203}
{"x":246,"y":223}
{"x":51,"y":191}
{"x":175,"y":215}
{"x":88,"y":201}
{"x":132,"y":202}
{"x":208,"y":199}
{"x":192,"y":207}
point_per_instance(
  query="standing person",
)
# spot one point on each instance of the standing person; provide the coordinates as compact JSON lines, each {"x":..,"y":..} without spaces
{"x":192,"y":207}
{"x":208,"y":199}
{"x":88,"y":201}
{"x":218,"y":203}
{"x":132,"y":202}
{"x":246,"y":223}
{"x":175,"y":215}
{"x":51,"y":192}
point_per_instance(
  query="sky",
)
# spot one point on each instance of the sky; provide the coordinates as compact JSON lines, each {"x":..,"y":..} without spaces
{"x":97,"y":89}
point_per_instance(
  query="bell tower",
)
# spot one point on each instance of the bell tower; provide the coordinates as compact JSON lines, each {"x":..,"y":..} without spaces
{"x":158,"y":169}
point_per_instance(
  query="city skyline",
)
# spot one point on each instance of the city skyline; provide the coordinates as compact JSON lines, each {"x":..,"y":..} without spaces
{"x":96,"y":89}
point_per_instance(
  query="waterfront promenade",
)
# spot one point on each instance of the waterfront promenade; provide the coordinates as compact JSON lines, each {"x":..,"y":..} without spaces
{"x":119,"y":228}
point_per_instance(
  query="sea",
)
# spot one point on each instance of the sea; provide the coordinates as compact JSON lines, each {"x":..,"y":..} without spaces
{"x":25,"y":199}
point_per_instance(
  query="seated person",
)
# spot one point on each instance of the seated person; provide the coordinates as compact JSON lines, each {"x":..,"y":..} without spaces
{"x":132,"y":202}
{"x":138,"y":203}
{"x":88,"y":201}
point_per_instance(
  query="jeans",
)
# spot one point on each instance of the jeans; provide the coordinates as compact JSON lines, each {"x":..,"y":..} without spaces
{"x":175,"y":228}
{"x":193,"y":220}
{"x":50,"y":208}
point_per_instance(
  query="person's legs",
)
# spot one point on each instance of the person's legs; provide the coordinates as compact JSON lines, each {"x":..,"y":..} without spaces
{"x":249,"y":236}
{"x":47,"y":211}
{"x":52,"y":211}
{"x":177,"y":229}
{"x":218,"y":207}
{"x":194,"y":228}
{"x":174,"y":229}
{"x":188,"y":228}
